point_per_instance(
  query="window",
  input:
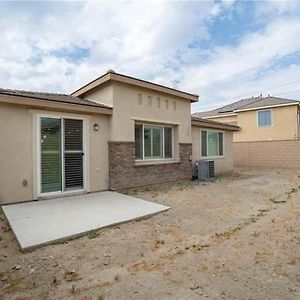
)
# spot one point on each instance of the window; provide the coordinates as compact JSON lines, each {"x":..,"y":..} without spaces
{"x":264,"y":118}
{"x":212,"y":143}
{"x":298,"y":117}
{"x":153,"y":142}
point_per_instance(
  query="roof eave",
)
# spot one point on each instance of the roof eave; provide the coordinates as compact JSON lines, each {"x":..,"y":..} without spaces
{"x":219,"y":116}
{"x":133,"y":81}
{"x":214,"y":124}
{"x":54,"y":105}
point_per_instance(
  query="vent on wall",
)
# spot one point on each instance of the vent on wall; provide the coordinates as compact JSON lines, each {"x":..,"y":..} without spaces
{"x":206,"y":169}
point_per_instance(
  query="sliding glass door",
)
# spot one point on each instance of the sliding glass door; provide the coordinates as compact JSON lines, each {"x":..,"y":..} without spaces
{"x":61,"y":154}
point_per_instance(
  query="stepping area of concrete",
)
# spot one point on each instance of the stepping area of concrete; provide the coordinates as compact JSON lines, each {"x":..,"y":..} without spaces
{"x":43,"y":222}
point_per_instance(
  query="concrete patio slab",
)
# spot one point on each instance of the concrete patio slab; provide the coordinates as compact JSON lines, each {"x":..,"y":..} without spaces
{"x":39,"y":223}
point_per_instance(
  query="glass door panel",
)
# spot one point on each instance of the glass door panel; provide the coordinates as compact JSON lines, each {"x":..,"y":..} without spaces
{"x":50,"y":143}
{"x":73,"y":154}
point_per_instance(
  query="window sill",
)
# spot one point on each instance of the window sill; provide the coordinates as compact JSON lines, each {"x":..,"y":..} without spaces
{"x":142,"y":163}
{"x":212,"y":157}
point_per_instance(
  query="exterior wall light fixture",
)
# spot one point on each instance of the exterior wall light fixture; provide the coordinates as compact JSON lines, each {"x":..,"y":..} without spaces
{"x":96,"y":127}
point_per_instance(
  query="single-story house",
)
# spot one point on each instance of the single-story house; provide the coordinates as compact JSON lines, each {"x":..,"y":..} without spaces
{"x":269,"y":134}
{"x":115,"y":132}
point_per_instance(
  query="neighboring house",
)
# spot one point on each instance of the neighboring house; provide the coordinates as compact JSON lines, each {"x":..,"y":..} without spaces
{"x":115,"y":132}
{"x":270,"y":130}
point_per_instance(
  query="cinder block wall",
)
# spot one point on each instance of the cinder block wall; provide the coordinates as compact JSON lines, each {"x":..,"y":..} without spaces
{"x":124,"y":173}
{"x":267,"y":154}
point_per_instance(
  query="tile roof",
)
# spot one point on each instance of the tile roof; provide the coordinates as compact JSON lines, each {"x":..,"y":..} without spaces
{"x":64,"y":98}
{"x":214,"y":124}
{"x":248,"y":103}
{"x":268,"y":101}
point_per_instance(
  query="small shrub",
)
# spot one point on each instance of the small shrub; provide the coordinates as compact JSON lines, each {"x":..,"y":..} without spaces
{"x":93,"y":234}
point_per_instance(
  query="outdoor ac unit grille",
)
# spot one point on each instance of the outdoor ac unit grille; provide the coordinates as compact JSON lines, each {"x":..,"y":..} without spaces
{"x":206,"y":169}
{"x":211,"y":169}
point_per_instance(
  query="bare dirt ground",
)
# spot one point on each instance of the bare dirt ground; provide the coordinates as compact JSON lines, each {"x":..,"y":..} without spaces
{"x":235,"y":238}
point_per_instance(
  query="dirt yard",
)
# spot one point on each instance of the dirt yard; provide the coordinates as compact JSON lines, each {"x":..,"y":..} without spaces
{"x":235,"y":238}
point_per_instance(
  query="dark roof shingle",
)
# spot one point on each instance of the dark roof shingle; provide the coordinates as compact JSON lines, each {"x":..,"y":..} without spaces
{"x":268,"y":101}
{"x":52,"y":97}
{"x":216,"y":124}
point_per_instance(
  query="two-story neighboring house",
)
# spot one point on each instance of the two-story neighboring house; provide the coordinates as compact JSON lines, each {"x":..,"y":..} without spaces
{"x":269,"y":133}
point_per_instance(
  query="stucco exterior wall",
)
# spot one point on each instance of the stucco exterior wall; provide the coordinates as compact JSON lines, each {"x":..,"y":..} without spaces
{"x":284,"y":125}
{"x":225,"y":119}
{"x":133,"y":103}
{"x":224,"y":163}
{"x":102,"y":95}
{"x":16,"y":155}
{"x":98,"y":153}
{"x":18,"y":152}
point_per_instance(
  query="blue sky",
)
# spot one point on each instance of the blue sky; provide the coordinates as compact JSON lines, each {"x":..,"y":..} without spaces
{"x":221,"y":50}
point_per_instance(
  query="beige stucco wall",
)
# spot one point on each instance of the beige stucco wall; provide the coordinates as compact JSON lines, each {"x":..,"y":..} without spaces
{"x":102,"y":95}
{"x":284,"y":125}
{"x":222,"y":164}
{"x":127,"y":109}
{"x":225,"y":119}
{"x":16,"y":155}
{"x":98,"y":153}
{"x":18,"y":152}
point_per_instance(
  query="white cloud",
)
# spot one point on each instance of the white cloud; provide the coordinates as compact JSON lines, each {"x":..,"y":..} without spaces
{"x":132,"y":37}
{"x":226,"y":75}
{"x":283,"y":84}
{"x":151,"y":40}
{"x":254,"y":51}
{"x":275,"y":8}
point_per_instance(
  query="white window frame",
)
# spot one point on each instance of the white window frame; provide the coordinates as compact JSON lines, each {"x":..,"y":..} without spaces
{"x":38,"y":151}
{"x":143,"y":159}
{"x":223,"y":146}
{"x":263,"y":110}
